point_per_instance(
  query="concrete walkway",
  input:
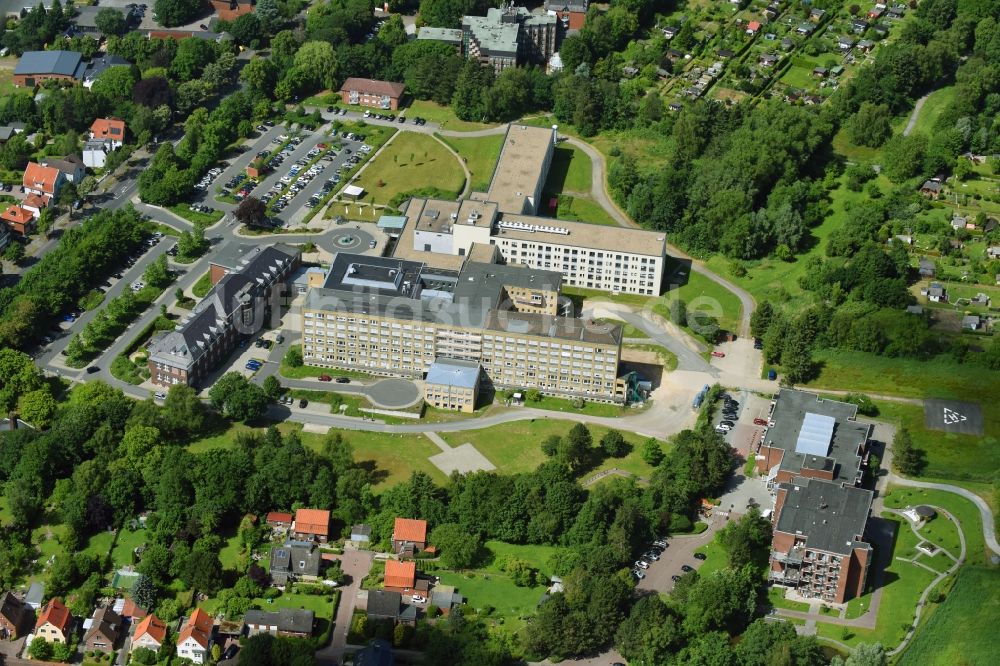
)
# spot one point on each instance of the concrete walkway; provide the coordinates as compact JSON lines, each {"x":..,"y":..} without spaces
{"x":912,"y":122}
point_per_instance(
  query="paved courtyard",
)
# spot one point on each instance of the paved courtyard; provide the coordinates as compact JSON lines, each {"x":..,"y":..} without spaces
{"x":462,"y":459}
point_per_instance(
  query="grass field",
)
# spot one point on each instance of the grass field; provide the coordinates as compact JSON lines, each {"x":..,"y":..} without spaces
{"x":964,"y":510}
{"x":203,"y":285}
{"x":936,"y":103}
{"x":195,"y":217}
{"x":715,"y":558}
{"x":442,"y":115}
{"x":580,"y":209}
{"x":410,"y":162}
{"x":516,"y":447}
{"x":570,"y":170}
{"x":480,"y":155}
{"x":954,"y":631}
{"x":776,"y":597}
{"x":948,"y":456}
{"x":121,"y":555}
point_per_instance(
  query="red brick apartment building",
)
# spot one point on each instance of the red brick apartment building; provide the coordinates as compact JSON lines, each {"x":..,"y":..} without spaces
{"x":813,"y":454}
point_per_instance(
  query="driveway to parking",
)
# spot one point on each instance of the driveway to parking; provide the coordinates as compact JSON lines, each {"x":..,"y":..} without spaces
{"x":355,"y":564}
{"x":239,"y":163}
{"x":680,"y":551}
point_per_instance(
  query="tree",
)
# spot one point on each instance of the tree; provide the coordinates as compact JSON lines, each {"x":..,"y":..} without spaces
{"x":870,"y":126}
{"x":747,"y":540}
{"x":459,"y":548}
{"x":906,"y":458}
{"x":18,"y":375}
{"x":652,"y":452}
{"x":171,"y":13}
{"x":37,"y":407}
{"x":613,"y":444}
{"x":157,"y":274}
{"x":766,"y":643}
{"x":551,"y":444}
{"x":903,"y":156}
{"x":246,"y":28}
{"x":293,"y":357}
{"x":14,"y":253}
{"x":260,"y":75}
{"x":238,"y":398}
{"x":272,"y":387}
{"x":110,"y":21}
{"x":251,"y":212}
{"x":317,"y":61}
{"x":143,"y":593}
{"x":761,"y":319}
{"x":202,"y":571}
{"x":576,"y":446}
{"x":40,"y":649}
{"x":867,"y":654}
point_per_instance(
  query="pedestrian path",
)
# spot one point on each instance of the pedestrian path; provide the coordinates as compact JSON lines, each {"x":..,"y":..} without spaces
{"x":462,"y":459}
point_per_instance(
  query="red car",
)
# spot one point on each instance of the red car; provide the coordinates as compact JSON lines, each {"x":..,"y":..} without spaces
{"x":760,"y":421}
{"x":719,"y":354}
{"x":325,"y":378}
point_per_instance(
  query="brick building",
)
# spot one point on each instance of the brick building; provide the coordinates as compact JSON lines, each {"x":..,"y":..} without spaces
{"x":372,"y":93}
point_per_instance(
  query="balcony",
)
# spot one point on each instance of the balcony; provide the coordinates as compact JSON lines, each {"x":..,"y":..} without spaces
{"x":794,"y":556}
{"x":787,"y":576}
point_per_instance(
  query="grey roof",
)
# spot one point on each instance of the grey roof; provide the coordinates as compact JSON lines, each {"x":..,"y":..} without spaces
{"x":376,"y":653}
{"x":494,"y":36}
{"x":831,"y":515}
{"x":98,"y":66}
{"x":567,"y":5}
{"x":97,"y":144}
{"x":65,"y":63}
{"x":361,"y":530}
{"x":293,"y":620}
{"x":290,"y":559}
{"x":485,"y":282}
{"x":10,"y":129}
{"x":453,"y":372}
{"x":445,"y":596}
{"x":384,"y":604}
{"x":790,"y":412}
{"x":450,"y":35}
{"x":68,"y":165}
{"x":234,"y":256}
{"x":35,"y":595}
{"x":925,"y":511}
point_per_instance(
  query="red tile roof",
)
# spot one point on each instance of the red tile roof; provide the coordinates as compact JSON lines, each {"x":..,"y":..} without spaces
{"x":17,"y":215}
{"x":373,"y":87}
{"x":198,"y":627}
{"x":38,"y":201}
{"x":153,"y":626}
{"x":38,"y":177}
{"x":753,"y":26}
{"x":132,"y":610}
{"x":56,"y":614}
{"x":407,"y":529}
{"x":108,"y":128}
{"x":312,"y":521}
{"x":279,"y":517}
{"x":400,"y":574}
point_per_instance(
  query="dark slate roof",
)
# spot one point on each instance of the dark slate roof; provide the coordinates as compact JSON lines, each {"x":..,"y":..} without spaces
{"x":831,"y":516}
{"x":297,"y":560}
{"x":66,"y":63}
{"x":293,"y":620}
{"x":384,"y":604}
{"x":376,"y":653}
{"x":98,"y":66}
{"x":789,"y":414}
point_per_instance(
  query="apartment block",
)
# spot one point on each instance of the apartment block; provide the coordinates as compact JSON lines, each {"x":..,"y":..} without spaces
{"x":813,"y":454}
{"x":237,"y":304}
{"x":452,"y":384}
{"x":443,"y":233}
{"x":394,"y":317}
{"x":507,"y":37}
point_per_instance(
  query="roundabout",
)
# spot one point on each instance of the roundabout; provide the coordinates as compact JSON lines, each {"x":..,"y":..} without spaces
{"x":346,"y":239}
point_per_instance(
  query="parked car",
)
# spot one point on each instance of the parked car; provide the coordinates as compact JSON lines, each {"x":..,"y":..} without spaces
{"x":343,"y":380}
{"x":675,"y":578}
{"x":419,"y":599}
{"x":759,"y":421}
{"x":92,"y":369}
{"x":303,"y":402}
{"x":686,"y":568}
{"x":638,"y":574}
{"x":325,"y":378}
{"x":727,"y":423}
{"x":718,"y":354}
{"x":641,"y":564}
{"x":700,"y":556}
{"x":651,"y":555}
{"x":722,"y":429}
{"x":160,"y":395}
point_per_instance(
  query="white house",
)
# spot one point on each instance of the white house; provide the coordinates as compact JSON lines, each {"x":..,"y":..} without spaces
{"x":95,"y":153}
{"x":195,"y":637}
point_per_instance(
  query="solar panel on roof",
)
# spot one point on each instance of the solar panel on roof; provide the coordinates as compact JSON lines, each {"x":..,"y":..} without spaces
{"x":815,"y":435}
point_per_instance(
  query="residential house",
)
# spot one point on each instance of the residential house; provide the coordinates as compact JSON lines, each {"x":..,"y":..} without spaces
{"x":787,"y":44}
{"x":15,"y":616}
{"x":816,"y":15}
{"x":35,"y":67}
{"x":105,"y":629}
{"x":820,"y":72}
{"x":805,"y":29}
{"x":726,"y":54}
{"x":858,"y":26}
{"x":230,"y":10}
{"x":279,"y":520}
{"x":980,"y":300}
{"x":95,"y":153}
{"x":931,"y":188}
{"x":97,"y":67}
{"x":971,"y":322}
{"x":991,"y":224}
{"x":384,"y":606}
{"x":866,"y":45}
{"x":71,"y":167}
{"x":128,"y":609}
{"x":768,"y":60}
{"x":409,"y":536}
{"x":9,"y":130}
{"x":19,"y":220}
{"x":311,"y":524}
{"x":149,"y":633}
{"x":195,"y":637}
{"x":896,"y":12}
{"x":42,"y":180}
{"x":5,"y":236}
{"x":753,"y":27}
{"x":109,"y":129}
{"x":372,"y":93}
{"x":881,"y":30}
{"x":927,"y":268}
{"x":937,"y":294}
{"x":55,"y":622}
{"x":361,"y":533}
{"x":876,"y":11}
{"x":446,"y":598}
{"x":845,"y":43}
{"x":376,"y":653}
{"x":292,"y":562}
{"x":400,"y":576}
{"x":993,"y":252}
{"x":86,"y":18}
{"x":295,"y":623}
{"x":915,"y":309}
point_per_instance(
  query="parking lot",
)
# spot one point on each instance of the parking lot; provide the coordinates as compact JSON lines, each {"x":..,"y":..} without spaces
{"x":679,"y":553}
{"x":750,"y":422}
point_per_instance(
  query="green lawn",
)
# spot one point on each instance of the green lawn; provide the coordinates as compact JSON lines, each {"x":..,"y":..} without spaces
{"x":411,"y":162}
{"x":705,"y":296}
{"x":964,"y":510}
{"x":203,"y":285}
{"x":776,"y":596}
{"x":99,"y":544}
{"x":570,"y":170}
{"x":539,"y":557}
{"x":229,"y":555}
{"x":127,"y":540}
{"x":948,"y":456}
{"x":716,"y":558}
{"x":958,"y":631}
{"x":516,"y":447}
{"x":321,"y":605}
{"x":511,"y":604}
{"x":480,"y":155}
{"x":936,"y":103}
{"x":443,"y":115}
{"x":195,"y":217}
{"x":564,"y":405}
{"x":580,"y":209}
